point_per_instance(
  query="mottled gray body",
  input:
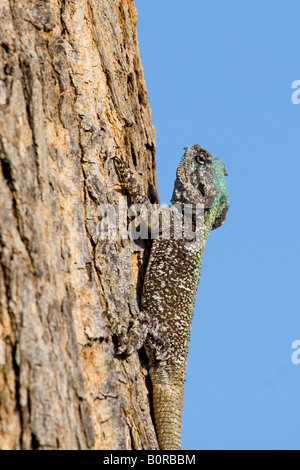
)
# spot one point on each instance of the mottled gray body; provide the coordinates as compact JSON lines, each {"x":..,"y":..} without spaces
{"x":168,"y":300}
{"x":170,"y":287}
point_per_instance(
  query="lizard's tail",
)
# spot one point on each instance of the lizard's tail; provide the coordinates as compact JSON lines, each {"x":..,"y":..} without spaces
{"x":167,"y":404}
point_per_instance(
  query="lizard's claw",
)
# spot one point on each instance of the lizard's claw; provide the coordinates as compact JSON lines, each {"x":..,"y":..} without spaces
{"x":121,"y":164}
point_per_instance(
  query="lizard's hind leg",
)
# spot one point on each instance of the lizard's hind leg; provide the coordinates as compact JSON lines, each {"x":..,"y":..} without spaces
{"x":145,"y":332}
{"x":135,"y":337}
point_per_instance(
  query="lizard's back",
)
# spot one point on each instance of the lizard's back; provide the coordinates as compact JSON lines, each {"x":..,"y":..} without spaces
{"x":168,"y":298}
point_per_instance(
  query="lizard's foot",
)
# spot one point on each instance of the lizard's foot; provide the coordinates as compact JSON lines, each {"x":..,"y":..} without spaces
{"x":130,"y":339}
{"x":117,"y":329}
{"x":121,"y":164}
{"x":136,"y":336}
{"x":129,"y":179}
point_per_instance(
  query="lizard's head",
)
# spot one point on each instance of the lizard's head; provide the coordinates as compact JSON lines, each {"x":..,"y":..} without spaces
{"x":201,"y":180}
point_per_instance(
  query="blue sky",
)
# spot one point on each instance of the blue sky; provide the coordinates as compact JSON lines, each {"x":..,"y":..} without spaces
{"x":220,"y":74}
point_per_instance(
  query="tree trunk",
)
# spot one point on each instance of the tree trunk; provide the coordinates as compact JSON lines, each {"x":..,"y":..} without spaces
{"x":72,"y":94}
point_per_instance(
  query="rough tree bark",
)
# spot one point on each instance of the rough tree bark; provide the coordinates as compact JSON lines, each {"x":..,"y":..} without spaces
{"x":71,"y":91}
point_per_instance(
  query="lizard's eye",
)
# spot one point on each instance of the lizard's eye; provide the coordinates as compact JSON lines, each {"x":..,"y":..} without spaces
{"x":200,"y":158}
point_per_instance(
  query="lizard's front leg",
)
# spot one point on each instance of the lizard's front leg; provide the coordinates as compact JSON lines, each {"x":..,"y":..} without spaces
{"x":134,"y":337}
{"x":130,"y":182}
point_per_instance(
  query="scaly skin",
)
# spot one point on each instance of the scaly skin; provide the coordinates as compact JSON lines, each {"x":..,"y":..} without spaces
{"x":170,"y":287}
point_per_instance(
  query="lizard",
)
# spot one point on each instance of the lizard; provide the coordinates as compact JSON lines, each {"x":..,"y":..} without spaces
{"x":163,"y":326}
